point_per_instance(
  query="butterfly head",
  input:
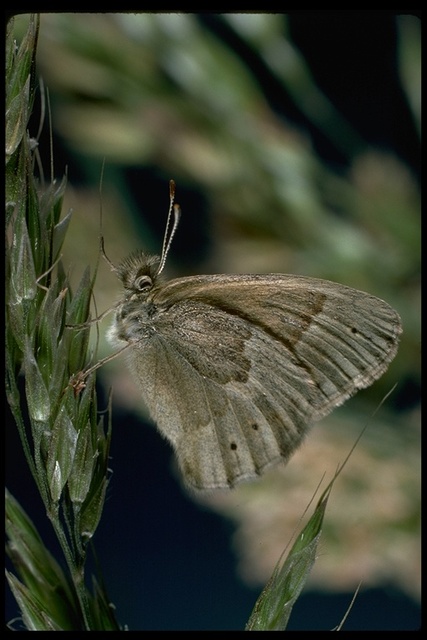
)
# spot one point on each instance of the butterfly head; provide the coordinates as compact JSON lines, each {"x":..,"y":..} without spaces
{"x":138,"y":273}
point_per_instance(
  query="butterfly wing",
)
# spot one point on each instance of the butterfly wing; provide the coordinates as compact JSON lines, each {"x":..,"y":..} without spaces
{"x":237,"y":367}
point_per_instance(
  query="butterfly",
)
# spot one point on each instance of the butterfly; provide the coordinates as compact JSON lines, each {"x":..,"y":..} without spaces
{"x":235,"y":368}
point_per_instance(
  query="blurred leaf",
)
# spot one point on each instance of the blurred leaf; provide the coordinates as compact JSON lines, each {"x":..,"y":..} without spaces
{"x":45,"y":597}
{"x":19,"y":84}
{"x":78,"y":313}
{"x":274,"y":606}
{"x":23,"y":277}
{"x":33,"y":615}
{"x":17,"y":120}
{"x":61,"y":451}
{"x":37,"y":393}
{"x":84,"y":461}
{"x":102,"y":609}
{"x":90,"y":512}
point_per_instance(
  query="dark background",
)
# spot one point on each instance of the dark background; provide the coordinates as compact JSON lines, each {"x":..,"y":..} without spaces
{"x":148,"y":520}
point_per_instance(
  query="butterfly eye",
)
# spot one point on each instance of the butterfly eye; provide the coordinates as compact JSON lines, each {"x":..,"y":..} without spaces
{"x":143,"y":282}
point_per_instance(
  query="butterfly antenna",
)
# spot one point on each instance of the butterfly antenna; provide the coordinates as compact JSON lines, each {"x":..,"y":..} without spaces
{"x":101,"y":221}
{"x":168,"y":237}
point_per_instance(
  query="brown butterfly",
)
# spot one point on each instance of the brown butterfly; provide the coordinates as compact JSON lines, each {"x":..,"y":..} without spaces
{"x":235,"y":368}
